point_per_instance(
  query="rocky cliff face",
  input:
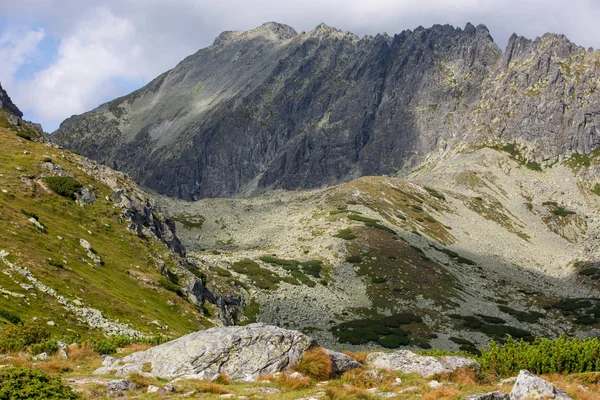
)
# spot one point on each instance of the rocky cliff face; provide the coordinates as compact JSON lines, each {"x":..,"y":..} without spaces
{"x":7,"y":104}
{"x":272,"y":108}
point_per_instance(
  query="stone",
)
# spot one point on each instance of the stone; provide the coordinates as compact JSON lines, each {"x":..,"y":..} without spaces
{"x":118,"y":386}
{"x":531,"y":387}
{"x":408,"y":362}
{"x":489,"y":396}
{"x":37,"y":224}
{"x":153,"y":389}
{"x":341,"y":362}
{"x":85,"y":196}
{"x":42,"y":357}
{"x":240,"y":351}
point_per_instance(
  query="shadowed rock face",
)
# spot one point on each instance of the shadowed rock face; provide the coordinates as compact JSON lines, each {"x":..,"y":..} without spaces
{"x":271,"y":108}
{"x":7,"y":104}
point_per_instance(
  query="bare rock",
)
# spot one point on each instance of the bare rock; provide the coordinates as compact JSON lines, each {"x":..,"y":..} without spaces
{"x":532,"y":387}
{"x":243,"y":352}
{"x":408,"y":362}
{"x":341,"y":363}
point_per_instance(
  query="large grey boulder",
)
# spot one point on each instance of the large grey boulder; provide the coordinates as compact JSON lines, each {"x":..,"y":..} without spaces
{"x":532,"y":387}
{"x":408,"y":362}
{"x":243,"y":352}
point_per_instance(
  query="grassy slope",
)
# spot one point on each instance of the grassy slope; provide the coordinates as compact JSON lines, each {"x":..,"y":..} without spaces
{"x":125,"y":288}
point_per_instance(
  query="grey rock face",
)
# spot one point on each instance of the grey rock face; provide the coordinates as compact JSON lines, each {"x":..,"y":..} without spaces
{"x":271,"y":108}
{"x":243,"y":352}
{"x":7,"y":104}
{"x":426,"y":366}
{"x":118,"y":386}
{"x":532,"y":387}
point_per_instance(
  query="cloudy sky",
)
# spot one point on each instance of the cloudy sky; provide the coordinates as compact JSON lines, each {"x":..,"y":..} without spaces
{"x":64,"y":57}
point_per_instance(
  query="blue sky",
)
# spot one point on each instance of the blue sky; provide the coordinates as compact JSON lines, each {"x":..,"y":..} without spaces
{"x":65,"y":57}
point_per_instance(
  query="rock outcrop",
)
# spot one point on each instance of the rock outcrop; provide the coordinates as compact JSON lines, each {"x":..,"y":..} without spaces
{"x":427,"y":366}
{"x":273,"y":108}
{"x":530,"y":387}
{"x":7,"y":104}
{"x":243,"y":352}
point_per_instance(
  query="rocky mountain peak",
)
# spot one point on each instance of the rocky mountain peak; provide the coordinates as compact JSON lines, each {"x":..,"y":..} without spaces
{"x":269,"y":30}
{"x":7,"y":104}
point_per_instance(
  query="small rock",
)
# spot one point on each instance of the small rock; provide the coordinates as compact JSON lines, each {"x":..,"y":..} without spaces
{"x":434,"y":384}
{"x":153,"y":389}
{"x":51,"y":323}
{"x":341,"y":363}
{"x":227,"y":396}
{"x":37,"y":224}
{"x":507,"y":381}
{"x":188,"y":394}
{"x":530,"y":386}
{"x":296,"y":375}
{"x":25,"y":152}
{"x":169,"y":389}
{"x":41,"y":356}
{"x":387,"y":394}
{"x":118,"y":386}
{"x":410,"y":389}
{"x":63,"y":354}
{"x":371,"y":390}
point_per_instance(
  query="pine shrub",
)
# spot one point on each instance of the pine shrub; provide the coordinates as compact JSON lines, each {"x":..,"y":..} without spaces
{"x":27,"y":383}
{"x":63,"y":185}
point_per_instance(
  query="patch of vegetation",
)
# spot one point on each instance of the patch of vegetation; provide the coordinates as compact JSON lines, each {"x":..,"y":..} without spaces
{"x":345,"y":234}
{"x":534,"y":166}
{"x":354,"y":259}
{"x":30,"y":214}
{"x":465,"y":345}
{"x":596,"y":189}
{"x":542,"y":356}
{"x":311,"y":267}
{"x":360,"y":218}
{"x":515,"y":153}
{"x":28,"y":383}
{"x":10,"y":317}
{"x":522,"y":316}
{"x":54,"y":263}
{"x":221,"y":271}
{"x":316,"y":363}
{"x":562,"y":212}
{"x":578,"y":161}
{"x":170,"y":286}
{"x":496,"y":331}
{"x":18,"y":338}
{"x":190,"y":221}
{"x":63,"y":185}
{"x":262,"y":277}
{"x":386,"y":331}
{"x":435,"y":193}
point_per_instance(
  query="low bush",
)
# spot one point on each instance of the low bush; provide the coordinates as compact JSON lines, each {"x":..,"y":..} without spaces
{"x":543,"y":356}
{"x":27,"y":383}
{"x":17,"y":338}
{"x":63,"y":185}
{"x":30,"y":214}
{"x":170,"y":286}
{"x":49,"y":346}
{"x":345,"y":234}
{"x":10,"y":317}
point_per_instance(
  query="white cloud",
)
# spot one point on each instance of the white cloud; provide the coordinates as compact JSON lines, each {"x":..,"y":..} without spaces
{"x":17,"y":46}
{"x":100,"y":49}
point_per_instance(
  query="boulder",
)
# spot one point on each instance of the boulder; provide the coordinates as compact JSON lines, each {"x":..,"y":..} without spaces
{"x":532,"y":387}
{"x":341,"y":363}
{"x":242,"y":352}
{"x":118,"y":386}
{"x":408,"y":362}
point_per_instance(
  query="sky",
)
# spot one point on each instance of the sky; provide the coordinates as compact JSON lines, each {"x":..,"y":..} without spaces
{"x":65,"y":57}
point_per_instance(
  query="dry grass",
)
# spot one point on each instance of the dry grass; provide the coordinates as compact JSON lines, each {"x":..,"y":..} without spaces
{"x":54,"y":366}
{"x":579,"y":386}
{"x":347,"y":393}
{"x":292,"y":384}
{"x":82,"y":352}
{"x":92,"y":391}
{"x":361,"y":378}
{"x":464,"y":376}
{"x":316,"y":363}
{"x":360,"y":356}
{"x":214,"y":388}
{"x":222,"y":379}
{"x":133,"y":348}
{"x":140,"y":380}
{"x":444,"y":393}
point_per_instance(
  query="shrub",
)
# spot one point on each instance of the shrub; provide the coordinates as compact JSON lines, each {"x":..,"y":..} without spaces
{"x":27,"y":383}
{"x":170,"y":286}
{"x":104,"y":347}
{"x":30,"y":214}
{"x":435,"y":193}
{"x":55,"y":263}
{"x":63,"y":185}
{"x":316,"y":363}
{"x":10,"y":317}
{"x":17,"y":338}
{"x":49,"y":346}
{"x":24,"y":135}
{"x":543,"y":356}
{"x":354,"y":259}
{"x":562,"y":212}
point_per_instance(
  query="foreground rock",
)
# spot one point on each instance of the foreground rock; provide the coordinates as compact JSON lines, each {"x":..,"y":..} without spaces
{"x":341,"y":363}
{"x":489,"y":396}
{"x":408,"y":362}
{"x":531,"y":387}
{"x":243,"y":352}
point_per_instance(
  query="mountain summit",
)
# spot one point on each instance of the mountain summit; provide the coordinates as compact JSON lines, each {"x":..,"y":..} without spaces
{"x":273,"y":108}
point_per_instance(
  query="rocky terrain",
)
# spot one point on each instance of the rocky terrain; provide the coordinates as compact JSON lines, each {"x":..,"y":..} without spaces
{"x":273,"y":108}
{"x":467,"y":250}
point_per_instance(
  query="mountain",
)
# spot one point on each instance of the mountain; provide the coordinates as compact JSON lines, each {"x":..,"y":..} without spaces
{"x":87,"y":253}
{"x":7,"y":104}
{"x":273,"y":108}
